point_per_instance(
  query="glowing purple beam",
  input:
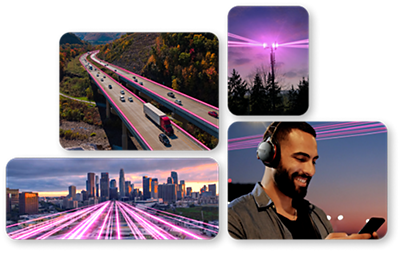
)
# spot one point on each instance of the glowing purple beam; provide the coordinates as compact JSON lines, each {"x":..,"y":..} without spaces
{"x":350,"y":128}
{"x":295,"y":46}
{"x":353,"y":135}
{"x":168,"y":224}
{"x":241,"y":38}
{"x":295,"y":42}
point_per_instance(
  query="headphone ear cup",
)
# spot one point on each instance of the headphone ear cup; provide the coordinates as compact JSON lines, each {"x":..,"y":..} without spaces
{"x":265,"y":152}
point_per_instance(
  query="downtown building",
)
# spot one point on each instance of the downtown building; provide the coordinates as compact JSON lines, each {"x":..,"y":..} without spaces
{"x":90,"y":185}
{"x":28,"y":203}
{"x":146,"y":187}
{"x":104,"y":187}
{"x":121,"y":184}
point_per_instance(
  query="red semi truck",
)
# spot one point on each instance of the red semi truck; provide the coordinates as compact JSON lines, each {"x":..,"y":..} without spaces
{"x":159,"y":118}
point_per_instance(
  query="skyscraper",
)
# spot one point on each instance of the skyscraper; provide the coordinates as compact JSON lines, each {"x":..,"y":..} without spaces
{"x":128,"y":189}
{"x":170,"y":180}
{"x":28,"y":203}
{"x":189,"y":191}
{"x":174,"y":176}
{"x":181,"y":190}
{"x":113,"y":183}
{"x":104,"y":186}
{"x":97,"y":186}
{"x":72,"y":191}
{"x":90,"y":184}
{"x":213,"y":189}
{"x":154,"y":188}
{"x":146,"y":187}
{"x":121,"y":183}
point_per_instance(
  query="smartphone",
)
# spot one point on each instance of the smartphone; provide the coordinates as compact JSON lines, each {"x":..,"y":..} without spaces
{"x":372,"y":225}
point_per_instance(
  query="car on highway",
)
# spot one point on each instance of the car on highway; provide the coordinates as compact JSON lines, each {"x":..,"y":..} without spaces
{"x":177,"y":101}
{"x":97,"y":75}
{"x":110,"y":86}
{"x":130,"y":99}
{"x":164,"y":139}
{"x":141,"y":83}
{"x":213,"y":114}
{"x":122,"y":92}
{"x":115,"y":70}
{"x":104,"y":77}
{"x":102,"y":80}
{"x":171,"y":94}
{"x":122,"y":98}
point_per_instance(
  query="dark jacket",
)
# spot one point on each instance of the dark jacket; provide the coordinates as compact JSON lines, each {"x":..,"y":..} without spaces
{"x":253,"y":216}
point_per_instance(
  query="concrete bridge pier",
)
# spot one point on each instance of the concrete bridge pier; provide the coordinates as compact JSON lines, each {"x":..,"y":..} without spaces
{"x":107,"y":109}
{"x":124,"y":137}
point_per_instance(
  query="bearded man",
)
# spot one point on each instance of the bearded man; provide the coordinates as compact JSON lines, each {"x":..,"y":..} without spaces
{"x":276,"y":208}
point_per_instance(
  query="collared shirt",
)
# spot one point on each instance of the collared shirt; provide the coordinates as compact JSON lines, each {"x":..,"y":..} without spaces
{"x":254,"y":216}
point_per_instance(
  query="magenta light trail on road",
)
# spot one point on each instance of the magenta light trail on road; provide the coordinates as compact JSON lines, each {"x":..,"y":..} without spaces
{"x":82,"y":227}
{"x":104,"y":222}
{"x":169,"y":224}
{"x":117,"y":218}
{"x":41,"y":227}
{"x":183,"y":217}
{"x":154,"y":231}
{"x":135,"y":231}
{"x":324,"y":132}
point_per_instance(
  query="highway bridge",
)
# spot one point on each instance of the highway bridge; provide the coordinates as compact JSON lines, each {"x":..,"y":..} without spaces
{"x":112,"y":220}
{"x":191,"y":109}
{"x":130,"y":111}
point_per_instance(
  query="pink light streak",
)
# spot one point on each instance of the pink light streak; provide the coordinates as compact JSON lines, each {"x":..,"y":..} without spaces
{"x":105,"y":221}
{"x":119,"y":109}
{"x":118,"y":228}
{"x":242,"y":38}
{"x":324,"y":132}
{"x":183,"y":94}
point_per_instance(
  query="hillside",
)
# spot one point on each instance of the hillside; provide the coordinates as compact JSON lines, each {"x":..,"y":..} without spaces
{"x":70,"y":38}
{"x":98,"y":38}
{"x":131,"y":51}
{"x":186,"y":62}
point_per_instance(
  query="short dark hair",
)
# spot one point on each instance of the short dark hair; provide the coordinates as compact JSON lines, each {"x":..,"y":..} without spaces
{"x":282,"y":129}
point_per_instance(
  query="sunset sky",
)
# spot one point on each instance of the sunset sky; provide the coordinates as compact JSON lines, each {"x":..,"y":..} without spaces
{"x":269,"y":24}
{"x":350,"y":179}
{"x":51,"y":177}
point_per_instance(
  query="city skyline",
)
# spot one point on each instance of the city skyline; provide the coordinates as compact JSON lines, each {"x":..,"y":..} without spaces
{"x":50,"y":182}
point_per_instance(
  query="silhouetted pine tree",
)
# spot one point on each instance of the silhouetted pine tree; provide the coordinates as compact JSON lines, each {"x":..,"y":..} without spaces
{"x":258,"y":100}
{"x":237,"y":90}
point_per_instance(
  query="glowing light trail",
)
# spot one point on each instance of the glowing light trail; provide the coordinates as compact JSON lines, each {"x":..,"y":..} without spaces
{"x":105,"y":221}
{"x":324,"y":132}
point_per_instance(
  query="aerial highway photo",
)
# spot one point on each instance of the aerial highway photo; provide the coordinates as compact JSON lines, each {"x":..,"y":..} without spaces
{"x":139,"y":91}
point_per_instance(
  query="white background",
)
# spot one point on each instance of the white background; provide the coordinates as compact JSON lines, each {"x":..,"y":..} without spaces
{"x":354,"y":73}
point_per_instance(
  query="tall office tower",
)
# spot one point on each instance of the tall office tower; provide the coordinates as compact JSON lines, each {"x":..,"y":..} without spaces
{"x":121,"y":183}
{"x":146,"y":187}
{"x":203,"y":189}
{"x":104,"y":186}
{"x":181,"y":190}
{"x":28,"y":203}
{"x":91,"y":187}
{"x":154,"y":188}
{"x":170,"y":180}
{"x":174,"y":176}
{"x":113,"y":183}
{"x":85,"y":195}
{"x":213,"y":189}
{"x":189,"y":191}
{"x":72,"y":191}
{"x":97,"y":186}
{"x":14,"y":196}
{"x":128,"y":189}
{"x":113,"y":193}
{"x":167,"y":192}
